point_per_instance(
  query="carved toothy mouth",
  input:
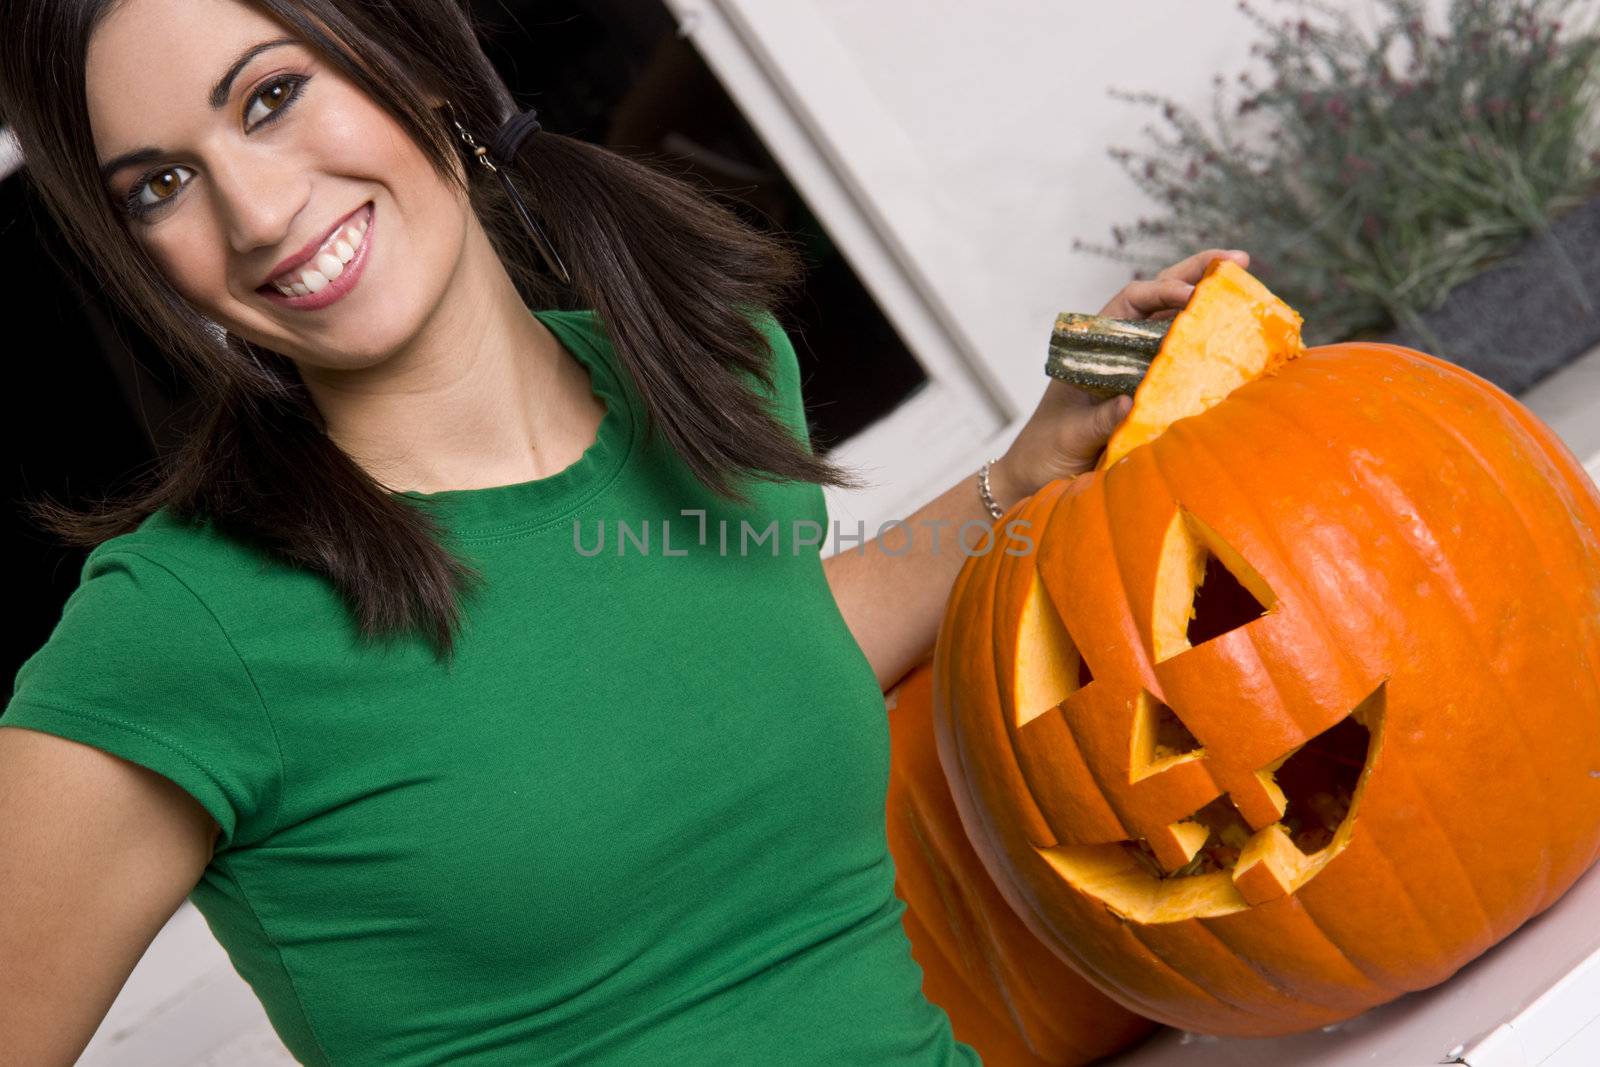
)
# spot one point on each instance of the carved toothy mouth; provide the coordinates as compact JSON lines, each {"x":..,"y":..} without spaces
{"x":1265,"y":814}
{"x":1232,"y":867}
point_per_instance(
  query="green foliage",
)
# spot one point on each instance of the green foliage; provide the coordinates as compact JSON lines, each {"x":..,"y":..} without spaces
{"x":1381,"y":162}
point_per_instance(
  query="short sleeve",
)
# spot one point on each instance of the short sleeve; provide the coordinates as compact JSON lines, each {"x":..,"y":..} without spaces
{"x":138,"y":666}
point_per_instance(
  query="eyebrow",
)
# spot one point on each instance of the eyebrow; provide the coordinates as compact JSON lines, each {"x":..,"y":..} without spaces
{"x":217,"y":98}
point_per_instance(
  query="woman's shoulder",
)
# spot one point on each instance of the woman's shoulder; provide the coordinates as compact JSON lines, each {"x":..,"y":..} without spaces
{"x":140,"y":664}
{"x":189,"y":548}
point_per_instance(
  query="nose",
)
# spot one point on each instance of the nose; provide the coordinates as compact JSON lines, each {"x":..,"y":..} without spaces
{"x":258,"y":199}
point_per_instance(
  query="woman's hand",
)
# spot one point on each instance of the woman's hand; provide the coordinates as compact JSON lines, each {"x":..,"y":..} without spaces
{"x":1066,"y":432}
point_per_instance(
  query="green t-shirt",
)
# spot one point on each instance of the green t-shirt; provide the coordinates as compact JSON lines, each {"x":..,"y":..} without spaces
{"x":639,"y":821}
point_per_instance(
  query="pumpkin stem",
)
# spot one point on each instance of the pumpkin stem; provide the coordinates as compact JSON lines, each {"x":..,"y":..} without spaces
{"x":1101,"y":355}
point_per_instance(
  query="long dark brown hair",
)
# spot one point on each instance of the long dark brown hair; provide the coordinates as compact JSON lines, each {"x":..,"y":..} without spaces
{"x":672,"y":275}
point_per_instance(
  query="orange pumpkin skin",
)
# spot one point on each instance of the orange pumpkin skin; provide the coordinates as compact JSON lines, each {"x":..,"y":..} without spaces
{"x":1007,"y":995}
{"x":1429,"y":553}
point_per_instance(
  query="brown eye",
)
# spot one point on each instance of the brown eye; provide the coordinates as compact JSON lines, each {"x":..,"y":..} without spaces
{"x":157,"y":187}
{"x":165,"y":184}
{"x":271,"y":100}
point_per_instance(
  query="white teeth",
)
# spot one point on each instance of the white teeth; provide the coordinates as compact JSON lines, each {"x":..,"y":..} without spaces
{"x":327,"y":264}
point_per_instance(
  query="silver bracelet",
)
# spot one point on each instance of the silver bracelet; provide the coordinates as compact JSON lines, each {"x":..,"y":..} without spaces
{"x":995,"y":510}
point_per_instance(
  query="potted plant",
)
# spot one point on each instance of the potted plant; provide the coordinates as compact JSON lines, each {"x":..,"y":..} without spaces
{"x":1436,"y":185}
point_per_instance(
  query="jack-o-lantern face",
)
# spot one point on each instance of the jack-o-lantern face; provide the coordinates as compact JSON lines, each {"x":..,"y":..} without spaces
{"x":1295,"y":705}
{"x":1198,"y":817}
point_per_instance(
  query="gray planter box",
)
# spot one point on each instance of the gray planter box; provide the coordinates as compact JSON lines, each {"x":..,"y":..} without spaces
{"x":1520,"y":321}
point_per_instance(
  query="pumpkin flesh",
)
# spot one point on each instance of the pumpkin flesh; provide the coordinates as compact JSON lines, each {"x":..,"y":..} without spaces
{"x":1232,"y":331}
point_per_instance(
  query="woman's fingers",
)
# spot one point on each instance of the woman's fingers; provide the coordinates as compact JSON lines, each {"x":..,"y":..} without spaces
{"x":1168,"y":292}
{"x":1148,"y":298}
{"x":1190,"y":269}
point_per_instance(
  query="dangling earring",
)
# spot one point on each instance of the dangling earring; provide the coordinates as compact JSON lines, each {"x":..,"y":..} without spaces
{"x":503,"y":148}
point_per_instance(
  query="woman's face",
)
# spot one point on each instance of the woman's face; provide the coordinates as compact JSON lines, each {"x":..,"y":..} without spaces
{"x":245,"y":155}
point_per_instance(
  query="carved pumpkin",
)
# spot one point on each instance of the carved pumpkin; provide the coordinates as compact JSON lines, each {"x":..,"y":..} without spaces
{"x":1294,"y":704}
{"x":1007,"y":995}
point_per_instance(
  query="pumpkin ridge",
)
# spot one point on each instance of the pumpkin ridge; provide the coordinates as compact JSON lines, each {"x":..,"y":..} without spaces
{"x":1498,"y":683}
{"x":988,"y":578}
{"x":1005,"y":675}
{"x":1138,"y":930}
{"x":1302,"y":600}
{"x":1126,"y":599}
{"x":1383,"y":989}
{"x":1555,"y":483}
{"x":1535,"y":545}
{"x":1449,"y":848}
{"x":1204,"y":923}
{"x":1296,"y":1000}
{"x":1494,"y":479}
{"x":1008,"y":568}
{"x":1144,"y":1005}
{"x":1305,"y":603}
{"x":992,"y":965}
{"x":1150,"y":1006}
{"x":1399,"y":768}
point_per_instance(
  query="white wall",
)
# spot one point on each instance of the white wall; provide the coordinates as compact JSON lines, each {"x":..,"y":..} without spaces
{"x":1005,"y":103}
{"x":1006,"y":100}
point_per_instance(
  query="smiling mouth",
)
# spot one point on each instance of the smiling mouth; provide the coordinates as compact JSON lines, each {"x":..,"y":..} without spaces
{"x":328,"y":262}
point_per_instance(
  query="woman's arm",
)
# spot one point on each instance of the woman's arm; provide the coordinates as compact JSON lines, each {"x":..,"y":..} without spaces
{"x":96,"y":854}
{"x":893,"y":589}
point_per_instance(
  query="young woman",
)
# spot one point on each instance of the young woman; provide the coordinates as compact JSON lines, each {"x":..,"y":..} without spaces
{"x":449,"y":784}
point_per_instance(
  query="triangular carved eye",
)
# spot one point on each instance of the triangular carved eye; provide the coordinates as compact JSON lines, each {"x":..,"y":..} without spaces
{"x":1204,"y":588}
{"x":1220,"y":604}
